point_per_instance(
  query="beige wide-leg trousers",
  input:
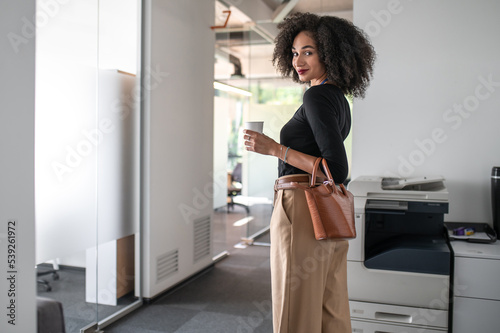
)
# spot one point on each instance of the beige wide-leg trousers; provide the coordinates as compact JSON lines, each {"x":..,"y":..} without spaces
{"x":308,"y":277}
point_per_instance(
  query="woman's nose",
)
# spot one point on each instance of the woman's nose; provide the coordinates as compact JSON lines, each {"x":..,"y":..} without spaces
{"x":299,"y":60}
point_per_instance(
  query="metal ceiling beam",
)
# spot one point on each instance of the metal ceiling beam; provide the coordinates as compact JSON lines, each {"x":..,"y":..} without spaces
{"x":283,"y":10}
{"x":256,"y":10}
{"x":259,"y":13}
{"x":263,"y":33}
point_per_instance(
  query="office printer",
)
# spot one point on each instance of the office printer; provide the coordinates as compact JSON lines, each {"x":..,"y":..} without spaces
{"x":404,"y":223}
{"x":399,"y":265}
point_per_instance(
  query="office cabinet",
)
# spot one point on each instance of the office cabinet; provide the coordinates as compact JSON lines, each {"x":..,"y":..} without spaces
{"x":476,"y":287}
{"x":359,"y":326}
{"x":476,"y":315}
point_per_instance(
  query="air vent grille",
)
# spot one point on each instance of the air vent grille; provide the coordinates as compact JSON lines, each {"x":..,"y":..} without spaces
{"x":202,"y":237}
{"x":167,"y":264}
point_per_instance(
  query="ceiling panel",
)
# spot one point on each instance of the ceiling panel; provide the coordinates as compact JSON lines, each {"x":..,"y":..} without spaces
{"x":243,"y":36}
{"x":323,"y":6}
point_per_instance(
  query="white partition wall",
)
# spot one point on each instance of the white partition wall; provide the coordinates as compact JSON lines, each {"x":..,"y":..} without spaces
{"x":177,"y":147}
{"x":17,"y":204}
{"x":434,"y":104}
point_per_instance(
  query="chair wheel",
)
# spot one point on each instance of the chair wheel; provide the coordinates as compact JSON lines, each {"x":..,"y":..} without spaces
{"x":55,"y":276}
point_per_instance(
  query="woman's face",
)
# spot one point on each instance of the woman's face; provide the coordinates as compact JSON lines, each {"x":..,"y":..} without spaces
{"x":306,"y":59}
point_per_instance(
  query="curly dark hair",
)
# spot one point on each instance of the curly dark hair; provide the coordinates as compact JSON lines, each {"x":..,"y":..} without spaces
{"x":343,"y":48}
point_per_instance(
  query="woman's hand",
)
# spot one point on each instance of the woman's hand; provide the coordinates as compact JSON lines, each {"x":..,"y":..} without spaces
{"x":261,"y":143}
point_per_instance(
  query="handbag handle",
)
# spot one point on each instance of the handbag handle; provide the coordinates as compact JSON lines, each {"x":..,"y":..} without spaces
{"x":325,"y":169}
{"x":329,"y":176}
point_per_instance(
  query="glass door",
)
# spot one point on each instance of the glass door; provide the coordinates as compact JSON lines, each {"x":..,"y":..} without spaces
{"x":230,"y":103}
{"x":116,"y":269}
{"x":241,"y":50}
{"x":66,"y":134}
{"x":87,"y":159}
{"x":247,"y":90}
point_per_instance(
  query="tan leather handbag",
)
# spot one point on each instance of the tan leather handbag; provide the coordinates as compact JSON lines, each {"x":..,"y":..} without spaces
{"x":331,"y":208}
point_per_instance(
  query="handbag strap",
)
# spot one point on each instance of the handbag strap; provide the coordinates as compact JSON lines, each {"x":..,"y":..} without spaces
{"x":328,"y":174}
{"x":314,"y":173}
{"x":327,"y":171}
{"x":313,"y":182}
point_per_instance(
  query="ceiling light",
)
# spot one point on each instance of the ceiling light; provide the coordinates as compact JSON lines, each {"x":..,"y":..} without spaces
{"x":228,"y":88}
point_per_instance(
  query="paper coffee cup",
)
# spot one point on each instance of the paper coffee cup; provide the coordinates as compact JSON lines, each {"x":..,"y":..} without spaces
{"x":256,"y":126}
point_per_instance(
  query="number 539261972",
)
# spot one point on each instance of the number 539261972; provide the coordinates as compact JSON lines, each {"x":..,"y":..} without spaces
{"x":11,"y":247}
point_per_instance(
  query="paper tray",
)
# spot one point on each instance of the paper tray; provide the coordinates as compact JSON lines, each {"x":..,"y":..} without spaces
{"x":484,"y":233}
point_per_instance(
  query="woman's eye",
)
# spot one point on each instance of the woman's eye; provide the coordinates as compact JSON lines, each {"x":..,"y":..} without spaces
{"x":307,"y":53}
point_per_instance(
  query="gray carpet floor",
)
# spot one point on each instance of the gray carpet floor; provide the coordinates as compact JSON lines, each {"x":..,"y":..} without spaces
{"x":232,"y":296}
{"x":69,"y":289}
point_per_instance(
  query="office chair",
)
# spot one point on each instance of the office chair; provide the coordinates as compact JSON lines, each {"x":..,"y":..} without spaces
{"x":43,"y":282}
{"x":50,"y":315}
{"x":234,"y":187}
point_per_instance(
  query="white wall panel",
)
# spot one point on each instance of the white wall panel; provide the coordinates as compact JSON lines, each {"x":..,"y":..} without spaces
{"x":177,"y":134}
{"x":433,"y":105}
{"x":17,"y":193}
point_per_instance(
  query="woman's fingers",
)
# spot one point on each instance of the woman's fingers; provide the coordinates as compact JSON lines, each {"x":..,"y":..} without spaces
{"x":249,"y":132}
{"x":259,"y":143}
{"x":249,"y":137}
{"x":249,"y":144}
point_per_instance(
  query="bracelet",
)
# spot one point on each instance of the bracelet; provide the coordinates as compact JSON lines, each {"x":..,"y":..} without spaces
{"x":286,"y":152}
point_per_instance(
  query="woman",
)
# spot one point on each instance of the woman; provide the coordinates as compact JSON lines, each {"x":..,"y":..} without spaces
{"x":309,"y":277}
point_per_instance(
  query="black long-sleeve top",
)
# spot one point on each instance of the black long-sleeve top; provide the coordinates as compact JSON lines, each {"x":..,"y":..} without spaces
{"x":319,"y":128}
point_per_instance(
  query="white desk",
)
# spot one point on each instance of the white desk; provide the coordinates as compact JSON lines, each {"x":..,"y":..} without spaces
{"x":476,"y":287}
